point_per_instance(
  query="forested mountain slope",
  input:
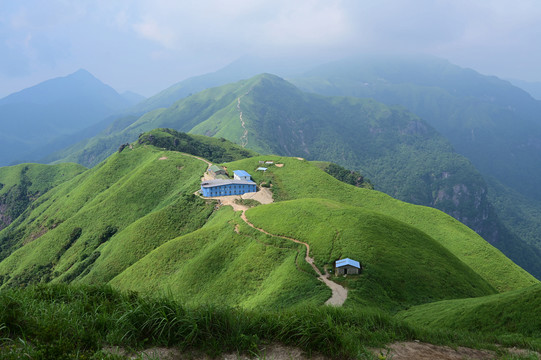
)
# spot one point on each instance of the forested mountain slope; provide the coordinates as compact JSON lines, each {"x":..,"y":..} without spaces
{"x":494,"y":124}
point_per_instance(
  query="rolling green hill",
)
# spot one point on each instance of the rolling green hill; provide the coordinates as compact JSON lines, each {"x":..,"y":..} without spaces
{"x":511,"y":312}
{"x":403,"y":155}
{"x":134,"y":222}
{"x":300,"y":179}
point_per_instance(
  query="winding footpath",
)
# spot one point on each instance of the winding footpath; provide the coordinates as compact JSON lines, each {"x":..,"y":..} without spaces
{"x":244,"y":137}
{"x":339,"y":293}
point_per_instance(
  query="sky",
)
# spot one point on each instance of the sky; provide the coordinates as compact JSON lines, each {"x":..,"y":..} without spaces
{"x":147,"y":45}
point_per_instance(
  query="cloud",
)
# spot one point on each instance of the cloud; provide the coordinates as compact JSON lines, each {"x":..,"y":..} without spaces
{"x":157,"y":38}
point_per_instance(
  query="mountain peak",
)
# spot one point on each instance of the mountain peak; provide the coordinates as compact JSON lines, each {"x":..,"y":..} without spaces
{"x":82,"y":75}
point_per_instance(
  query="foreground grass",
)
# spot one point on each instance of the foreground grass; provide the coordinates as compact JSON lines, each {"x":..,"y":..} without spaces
{"x":509,"y":314}
{"x":64,"y":322}
{"x":78,"y":322}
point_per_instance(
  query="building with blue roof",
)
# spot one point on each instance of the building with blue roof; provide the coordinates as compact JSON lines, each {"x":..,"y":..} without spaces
{"x":241,"y":175}
{"x":347,"y":266}
{"x":222,"y":187}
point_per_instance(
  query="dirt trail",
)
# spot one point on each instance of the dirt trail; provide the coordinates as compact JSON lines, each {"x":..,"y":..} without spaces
{"x":244,"y":137}
{"x":339,"y":293}
{"x":197,"y":157}
{"x":416,"y":350}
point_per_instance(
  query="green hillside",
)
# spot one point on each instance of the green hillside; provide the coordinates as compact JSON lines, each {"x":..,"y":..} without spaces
{"x":496,"y":125}
{"x":492,"y":123}
{"x":134,"y":221}
{"x":400,"y":153}
{"x":401,"y":265}
{"x":141,"y":190}
{"x":299,"y":179}
{"x":216,"y":265}
{"x":22,"y":184}
{"x":513,"y":312}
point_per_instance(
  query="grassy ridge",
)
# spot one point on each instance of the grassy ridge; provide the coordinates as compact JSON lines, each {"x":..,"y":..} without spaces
{"x":102,"y":203}
{"x":513,"y":312}
{"x":217,"y":265}
{"x":402,"y":265}
{"x":299,"y":179}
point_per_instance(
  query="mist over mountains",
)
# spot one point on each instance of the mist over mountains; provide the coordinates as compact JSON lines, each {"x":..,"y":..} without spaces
{"x":55,"y":112}
{"x":360,"y":157}
{"x":410,"y":156}
{"x":487,"y":120}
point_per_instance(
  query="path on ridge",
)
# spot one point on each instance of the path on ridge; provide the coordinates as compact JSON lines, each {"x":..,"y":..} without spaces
{"x":244,"y":137}
{"x":198,"y":157}
{"x":339,"y":293}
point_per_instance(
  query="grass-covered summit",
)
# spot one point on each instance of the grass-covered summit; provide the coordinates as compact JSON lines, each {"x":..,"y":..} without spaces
{"x":134,"y":222}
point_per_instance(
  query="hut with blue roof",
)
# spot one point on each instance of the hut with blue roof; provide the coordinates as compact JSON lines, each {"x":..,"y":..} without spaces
{"x":241,"y":175}
{"x":347,"y":266}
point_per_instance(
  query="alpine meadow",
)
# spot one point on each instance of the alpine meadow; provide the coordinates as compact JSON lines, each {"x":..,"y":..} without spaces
{"x":329,"y":205}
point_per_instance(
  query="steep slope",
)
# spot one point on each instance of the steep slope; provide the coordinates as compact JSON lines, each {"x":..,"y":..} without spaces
{"x":22,"y":184}
{"x":60,"y":234}
{"x":398,"y":151}
{"x":496,"y":125}
{"x":37,"y":115}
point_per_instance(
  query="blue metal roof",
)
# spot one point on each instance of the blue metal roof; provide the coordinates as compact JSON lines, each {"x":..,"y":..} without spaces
{"x":241,"y":173}
{"x":348,"y":261}
{"x":220,"y":182}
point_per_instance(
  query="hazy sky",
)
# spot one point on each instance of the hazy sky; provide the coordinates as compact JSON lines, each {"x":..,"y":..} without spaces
{"x":147,"y":45}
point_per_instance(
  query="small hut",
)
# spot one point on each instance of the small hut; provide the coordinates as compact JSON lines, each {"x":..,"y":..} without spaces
{"x":347,"y":266}
{"x":216,"y":170}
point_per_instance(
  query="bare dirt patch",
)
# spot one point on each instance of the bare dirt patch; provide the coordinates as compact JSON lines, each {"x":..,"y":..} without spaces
{"x":264,"y":196}
{"x":271,"y":352}
{"x":163,"y":158}
{"x":279,"y":165}
{"x":413,"y":350}
{"x":42,"y":231}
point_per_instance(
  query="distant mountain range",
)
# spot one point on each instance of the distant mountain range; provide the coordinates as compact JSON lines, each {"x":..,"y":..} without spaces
{"x":490,"y":122}
{"x":34,"y":119}
{"x":399,"y":152}
{"x":533,"y":88}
